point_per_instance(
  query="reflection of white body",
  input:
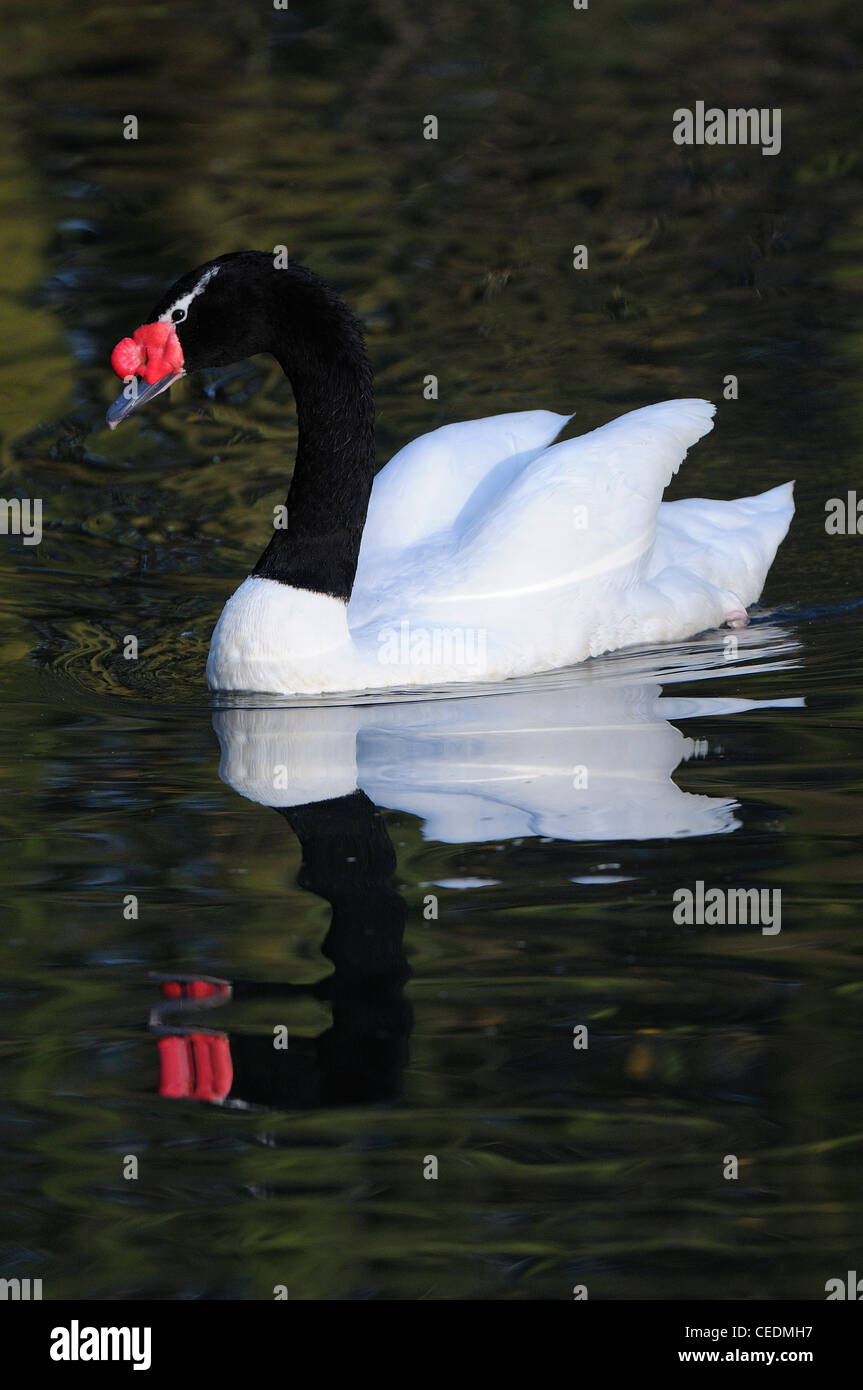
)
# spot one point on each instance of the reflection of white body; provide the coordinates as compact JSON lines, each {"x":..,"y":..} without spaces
{"x":488,"y":554}
{"x":589,"y":761}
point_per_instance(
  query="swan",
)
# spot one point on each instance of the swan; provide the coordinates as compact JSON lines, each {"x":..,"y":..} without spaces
{"x":482,"y":551}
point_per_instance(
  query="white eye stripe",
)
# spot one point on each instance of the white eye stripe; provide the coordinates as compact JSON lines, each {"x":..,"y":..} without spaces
{"x":186,"y":300}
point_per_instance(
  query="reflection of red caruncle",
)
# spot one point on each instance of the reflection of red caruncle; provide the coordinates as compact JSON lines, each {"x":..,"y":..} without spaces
{"x":152,"y":352}
{"x":195,"y":1066}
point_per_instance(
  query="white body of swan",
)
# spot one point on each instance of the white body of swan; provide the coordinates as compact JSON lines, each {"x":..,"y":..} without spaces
{"x":490,"y":552}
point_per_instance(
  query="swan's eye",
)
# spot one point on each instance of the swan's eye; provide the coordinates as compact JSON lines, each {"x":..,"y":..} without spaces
{"x":178,"y":315}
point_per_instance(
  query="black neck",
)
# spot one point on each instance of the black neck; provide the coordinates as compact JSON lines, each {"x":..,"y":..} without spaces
{"x":319,"y":345}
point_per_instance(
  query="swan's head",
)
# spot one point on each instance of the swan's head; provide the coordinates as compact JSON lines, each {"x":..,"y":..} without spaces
{"x":210,"y":317}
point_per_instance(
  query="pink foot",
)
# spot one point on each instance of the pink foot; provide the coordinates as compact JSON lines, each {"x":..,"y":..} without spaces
{"x":738,"y":617}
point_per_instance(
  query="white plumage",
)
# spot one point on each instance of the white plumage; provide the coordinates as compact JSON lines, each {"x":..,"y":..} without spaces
{"x":490,"y":552}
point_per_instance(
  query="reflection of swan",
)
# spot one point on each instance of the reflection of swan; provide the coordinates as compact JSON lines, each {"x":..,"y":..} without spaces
{"x":589,"y":760}
{"x":578,"y":762}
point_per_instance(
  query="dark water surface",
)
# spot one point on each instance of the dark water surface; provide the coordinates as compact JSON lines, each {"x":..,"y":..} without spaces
{"x":418,"y":1035}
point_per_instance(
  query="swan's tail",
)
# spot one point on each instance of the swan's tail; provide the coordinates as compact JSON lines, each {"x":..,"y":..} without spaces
{"x":731,"y":545}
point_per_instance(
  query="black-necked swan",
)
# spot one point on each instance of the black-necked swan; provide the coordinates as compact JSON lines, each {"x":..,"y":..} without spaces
{"x":482,"y":550}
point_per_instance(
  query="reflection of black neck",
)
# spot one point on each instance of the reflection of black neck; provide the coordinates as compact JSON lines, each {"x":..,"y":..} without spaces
{"x":348,"y":859}
{"x":319,"y":345}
